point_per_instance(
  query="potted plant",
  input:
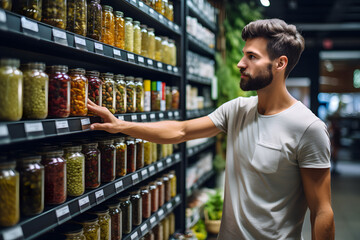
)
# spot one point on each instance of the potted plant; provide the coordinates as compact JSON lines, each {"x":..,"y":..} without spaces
{"x":213,"y":212}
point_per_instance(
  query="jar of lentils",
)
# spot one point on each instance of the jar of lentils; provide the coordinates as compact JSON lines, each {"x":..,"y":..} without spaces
{"x":75,"y":170}
{"x":130,"y":94}
{"x":120,"y":89}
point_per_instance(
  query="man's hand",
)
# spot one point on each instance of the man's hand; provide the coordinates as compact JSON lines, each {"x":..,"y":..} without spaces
{"x":110,"y":124}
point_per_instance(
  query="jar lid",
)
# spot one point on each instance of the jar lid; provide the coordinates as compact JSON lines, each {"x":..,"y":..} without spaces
{"x":159,"y":180}
{"x":171,"y":41}
{"x":7,"y":162}
{"x":59,"y":68}
{"x":12,"y":62}
{"x":136,"y":23}
{"x":70,"y":228}
{"x":143,"y":26}
{"x":139,"y":140}
{"x":129,"y":78}
{"x":134,"y":192}
{"x":107,"y":75}
{"x":113,"y":202}
{"x":34,"y":65}
{"x":124,"y":198}
{"x":129,"y":138}
{"x":138,"y":79}
{"x":89,"y":144}
{"x":93,"y":73}
{"x":151,"y":29}
{"x":107,"y":141}
{"x":119,"y":14}
{"x":29,"y":158}
{"x":52,"y":151}
{"x":128,"y":19}
{"x":77,"y":70}
{"x":119,"y":77}
{"x":86,"y":217}
{"x":144,"y":188}
{"x":165,"y":178}
{"x":72,"y":148}
{"x":174,"y":87}
{"x":99,"y":209}
{"x":107,"y":8}
{"x":119,"y":140}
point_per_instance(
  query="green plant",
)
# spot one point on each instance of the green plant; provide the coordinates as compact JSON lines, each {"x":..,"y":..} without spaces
{"x":200,"y":230}
{"x":214,"y":206}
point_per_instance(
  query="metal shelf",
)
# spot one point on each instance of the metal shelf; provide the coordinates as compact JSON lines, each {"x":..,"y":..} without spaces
{"x":198,"y":113}
{"x":192,"y":151}
{"x":32,"y":227}
{"x":203,"y":179}
{"x":198,"y":79}
{"x":203,"y":19}
{"x":199,"y":47}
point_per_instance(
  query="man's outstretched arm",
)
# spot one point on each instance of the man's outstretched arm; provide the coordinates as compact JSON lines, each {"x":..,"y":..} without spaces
{"x":164,"y":132}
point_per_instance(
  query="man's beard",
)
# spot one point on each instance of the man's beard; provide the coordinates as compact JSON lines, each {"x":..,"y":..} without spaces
{"x":256,"y":83}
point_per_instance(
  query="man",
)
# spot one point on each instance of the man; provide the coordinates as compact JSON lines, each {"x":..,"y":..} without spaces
{"x":277,"y":150}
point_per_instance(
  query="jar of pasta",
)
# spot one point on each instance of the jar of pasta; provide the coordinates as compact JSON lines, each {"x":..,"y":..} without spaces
{"x":154,"y":193}
{"x":108,"y":93}
{"x":75,"y":170}
{"x":108,"y":25}
{"x":130,"y":94}
{"x":129,"y":34}
{"x":6,"y":4}
{"x":92,"y":165}
{"x":172,"y":52}
{"x":146,"y":201}
{"x":131,"y":154}
{"x":94,"y":20}
{"x":137,"y":37}
{"x":116,"y":218}
{"x":31,"y":185}
{"x":151,"y":43}
{"x":126,"y":209}
{"x":172,"y":177}
{"x":59,"y":91}
{"x":94,"y":88}
{"x":72,"y":231}
{"x":9,"y":197}
{"x":136,"y":202}
{"x":175,"y":98}
{"x":139,"y":85}
{"x":36,"y":87}
{"x":119,"y":30}
{"x":79,"y":92}
{"x":139,"y":153}
{"x":31,"y":9}
{"x":76,"y":16}
{"x":121,"y":156}
{"x":144,"y":40}
{"x":120,"y":89}
{"x":11,"y":97}
{"x":147,"y":153}
{"x":107,"y":152}
{"x":54,"y":13}
{"x":90,"y":223}
{"x":104,"y":221}
{"x":158,"y":49}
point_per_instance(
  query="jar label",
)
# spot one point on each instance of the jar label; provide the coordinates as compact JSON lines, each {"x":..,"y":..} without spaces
{"x":99,"y":196}
{"x":141,"y":60}
{"x":2,"y":16}
{"x":63,"y":214}
{"x":117,"y":53}
{"x":29,"y":25}
{"x":150,"y":63}
{"x":80,"y":43}
{"x":84,"y":204}
{"x":119,"y":186}
{"x":14,"y":233}
{"x":134,"y":236}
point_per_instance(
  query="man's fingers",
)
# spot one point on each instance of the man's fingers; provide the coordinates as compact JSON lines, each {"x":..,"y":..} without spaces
{"x":99,"y":126}
{"x":91,"y":103}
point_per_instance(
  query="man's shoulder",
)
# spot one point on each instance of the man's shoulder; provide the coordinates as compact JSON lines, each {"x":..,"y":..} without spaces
{"x":241,"y":102}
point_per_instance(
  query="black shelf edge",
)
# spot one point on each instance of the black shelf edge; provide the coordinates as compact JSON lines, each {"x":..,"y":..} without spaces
{"x":198,"y":79}
{"x":141,"y":230}
{"x":33,"y":227}
{"x":204,"y":178}
{"x":14,"y":132}
{"x":51,"y":39}
{"x":203,"y":19}
{"x":192,"y":151}
{"x":198,"y":113}
{"x":199,"y":47}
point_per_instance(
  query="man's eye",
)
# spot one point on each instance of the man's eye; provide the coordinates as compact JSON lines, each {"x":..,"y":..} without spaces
{"x":251,"y":56}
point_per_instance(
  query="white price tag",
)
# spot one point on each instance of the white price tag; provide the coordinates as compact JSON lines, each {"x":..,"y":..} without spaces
{"x":177,"y":156}
{"x":60,"y":124}
{"x":171,"y":24}
{"x":177,"y":28}
{"x":150,"y":62}
{"x":121,"y":118}
{"x":191,"y":151}
{"x":33,"y":127}
{"x":135,"y":178}
{"x":29,"y":25}
{"x":80,"y":41}
{"x":134,"y":235}
{"x":143,"y":117}
{"x":169,"y":206}
{"x":13,"y":233}
{"x":151,"y":11}
{"x":99,"y":46}
{"x":168,"y":161}
{"x":144,"y":173}
{"x":151,"y":169}
{"x":99,"y":196}
{"x":160,"y":165}
{"x":161,"y":115}
{"x":59,"y":34}
{"x":170,"y":114}
{"x":141,"y":60}
{"x":4,"y":132}
{"x":134,"y":1}
{"x":131,"y":56}
{"x":143,"y":228}
{"x":117,"y":52}
{"x":84,"y":203}
{"x":175,"y":69}
{"x":152,"y":116}
{"x":118,"y":186}
{"x":63,"y":214}
{"x":159,"y":65}
{"x":177,"y":199}
{"x":176,"y":114}
{"x":161,"y":212}
{"x":133,"y":118}
{"x":161,"y":18}
{"x":85,"y":121}
{"x":141,"y":4}
{"x":2,"y":16}
{"x":152,"y":220}
{"x":169,"y":68}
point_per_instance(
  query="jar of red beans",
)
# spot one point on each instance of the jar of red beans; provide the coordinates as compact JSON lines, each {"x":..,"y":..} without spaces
{"x":92,"y":165}
{"x":107,"y":151}
{"x":95,"y":88}
{"x":139,"y":153}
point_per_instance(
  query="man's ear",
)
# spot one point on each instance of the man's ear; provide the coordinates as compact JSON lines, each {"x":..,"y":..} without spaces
{"x":281,"y":63}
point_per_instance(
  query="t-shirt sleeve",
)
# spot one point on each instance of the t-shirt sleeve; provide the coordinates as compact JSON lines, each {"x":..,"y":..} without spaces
{"x":220,"y":116}
{"x":314,"y":147}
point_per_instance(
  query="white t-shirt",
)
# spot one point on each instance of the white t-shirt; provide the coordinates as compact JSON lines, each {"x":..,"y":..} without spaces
{"x":264,"y":197}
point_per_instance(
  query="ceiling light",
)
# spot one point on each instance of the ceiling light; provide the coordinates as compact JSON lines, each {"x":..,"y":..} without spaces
{"x":265,"y":3}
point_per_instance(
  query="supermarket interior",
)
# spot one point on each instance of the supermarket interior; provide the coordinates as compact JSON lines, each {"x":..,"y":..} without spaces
{"x":149,"y":61}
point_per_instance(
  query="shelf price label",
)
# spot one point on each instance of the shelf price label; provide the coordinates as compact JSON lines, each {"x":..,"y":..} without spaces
{"x":84,"y":204}
{"x":99,"y":48}
{"x":133,"y":118}
{"x":169,"y":206}
{"x":29,"y":27}
{"x":85,"y":123}
{"x":131,"y":57}
{"x":144,"y":229}
{"x":59,"y":36}
{"x":63,"y":214}
{"x":171,"y":24}
{"x":177,"y":199}
{"x":33,"y":127}
{"x":177,"y":28}
{"x":152,"y":117}
{"x":141,"y":4}
{"x":175,"y":69}
{"x":191,"y":151}
{"x":150,"y":63}
{"x":117,"y":53}
{"x":143,"y":117}
{"x":15,"y":233}
{"x":134,"y":236}
{"x":177,"y":157}
{"x":170,"y":115}
{"x":4,"y":132}
{"x":159,"y":165}
{"x":159,"y":65}
{"x":176,"y":114}
{"x":135,"y":178}
{"x":144,"y":173}
{"x":2,"y":16}
{"x":160,"y":213}
{"x":80,"y":43}
{"x":161,"y":115}
{"x":161,"y":18}
{"x":151,"y":169}
{"x":141,"y":60}
{"x":121,"y":118}
{"x":168,"y":161}
{"x":119,"y":186}
{"x":152,"y":220}
{"x":62,"y":126}
{"x":169,"y":68}
{"x":99,"y":196}
{"x":151,"y":11}
{"x":133,"y":2}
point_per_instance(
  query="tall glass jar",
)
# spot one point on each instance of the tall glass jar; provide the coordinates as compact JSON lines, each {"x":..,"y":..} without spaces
{"x":126,"y":209}
{"x":167,"y":187}
{"x":155,"y":96}
{"x":54,"y":13}
{"x":144,"y":40}
{"x":108,"y":25}
{"x":171,"y":223}
{"x":129,"y":34}
{"x":108,"y":93}
{"x":94,"y":88}
{"x":175,"y":98}
{"x":139,"y":153}
{"x":55,"y":176}
{"x":72,"y":231}
{"x":79,"y":92}
{"x":150,"y":235}
{"x":31,"y":9}
{"x":146,"y":201}
{"x":104,"y":221}
{"x":158,"y":49}
{"x":172,"y":177}
{"x":59,"y":91}
{"x":168,"y":97}
{"x":6,"y":4}
{"x":9,"y":187}
{"x":154,"y":157}
{"x":170,"y":14}
{"x":130,"y":94}
{"x":136,"y":202}
{"x":94,"y":20}
{"x":121,"y":156}
{"x":90,"y":225}
{"x":108,"y":153}
{"x":161,"y":189}
{"x":139,"y":86}
{"x":166,"y":228}
{"x":158,"y":231}
{"x":131,"y":154}
{"x":164,"y":150}
{"x":147,"y":153}
{"x":147,"y":95}
{"x":165,"y":50}
{"x":77,"y":16}
{"x":173,"y":56}
{"x":137,"y":37}
{"x":120,"y":89}
{"x":119,"y":30}
{"x":159,"y":151}
{"x":11,"y":97}
{"x":75,"y":170}
{"x":159,"y":6}
{"x":31,"y":185}
{"x":116,"y":218}
{"x":92,"y":165}
{"x":151,"y":43}
{"x":35,"y":91}
{"x":154,"y":193}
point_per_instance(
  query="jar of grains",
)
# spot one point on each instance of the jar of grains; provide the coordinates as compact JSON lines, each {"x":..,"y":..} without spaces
{"x":75,"y":170}
{"x":120,"y":89}
{"x":121,"y":156}
{"x":92,"y":165}
{"x":94,"y":20}
{"x":108,"y":93}
{"x":108,"y":152}
{"x":54,"y":13}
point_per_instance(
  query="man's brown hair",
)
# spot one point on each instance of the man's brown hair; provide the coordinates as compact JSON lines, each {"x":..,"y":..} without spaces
{"x":283,"y":39}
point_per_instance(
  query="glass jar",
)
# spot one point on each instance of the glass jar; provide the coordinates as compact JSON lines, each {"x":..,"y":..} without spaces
{"x":108,"y":25}
{"x":144,"y":40}
{"x":76,"y":16}
{"x":120,"y":89}
{"x":170,"y":149}
{"x":150,"y":235}
{"x":94,"y":18}
{"x":165,"y":57}
{"x":54,"y":13}
{"x":90,"y":223}
{"x":126,"y":209}
{"x":31,"y":185}
{"x":159,"y":151}
{"x":168,"y":97}
{"x":130,"y":94}
{"x":172,"y":177}
{"x":139,"y":153}
{"x":136,"y":202}
{"x":139,"y":86}
{"x":11,"y":97}
{"x":137,"y":37}
{"x":31,"y":9}
{"x":166,"y":228}
{"x":164,"y":152}
{"x":131,"y":154}
{"x":9,"y":197}
{"x":172,"y":52}
{"x":94,"y":88}
{"x":72,"y":231}
{"x":167,"y":188}
{"x":158,"y":231}
{"x":161,"y":188}
{"x":55,"y":176}
{"x":158,"y":49}
{"x":119,"y":30}
{"x":79,"y":92}
{"x":108,"y":152}
{"x":159,"y":6}
{"x":129,"y":34}
{"x":154,"y":157}
{"x":108,"y":93}
{"x":146,"y":201}
{"x":147,"y":152}
{"x":154,"y":194}
{"x":116,"y":217}
{"x":35,"y":91}
{"x":121,"y":156}
{"x":75,"y":170}
{"x":147,"y":95}
{"x":92,"y":165}
{"x":171,"y":223}
{"x":175,"y":98}
{"x":6,"y":4}
{"x":151,"y":43}
{"x":59,"y":91}
{"x":155,"y":96}
{"x":104,"y":221}
{"x":170,"y":14}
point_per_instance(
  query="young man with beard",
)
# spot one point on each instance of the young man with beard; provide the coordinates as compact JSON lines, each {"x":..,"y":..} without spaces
{"x":278,"y":151}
